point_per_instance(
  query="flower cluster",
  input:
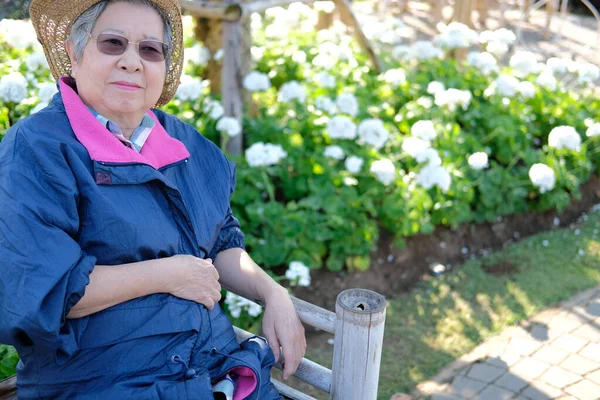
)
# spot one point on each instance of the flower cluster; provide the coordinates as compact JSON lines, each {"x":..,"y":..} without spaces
{"x":261,"y":154}
{"x":298,"y":274}
{"x":236,"y":304}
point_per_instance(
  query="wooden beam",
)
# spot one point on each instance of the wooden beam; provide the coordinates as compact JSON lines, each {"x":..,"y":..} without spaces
{"x":213,"y":9}
{"x":289,"y":392}
{"x":8,"y":387}
{"x":314,"y":315}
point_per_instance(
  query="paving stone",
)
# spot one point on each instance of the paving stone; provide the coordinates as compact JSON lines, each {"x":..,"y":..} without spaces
{"x":591,"y":351}
{"x":567,"y":397}
{"x":594,"y":377}
{"x":570,"y":343}
{"x":539,"y":332}
{"x":584,"y":390}
{"x":485,"y":373}
{"x":505,"y":358}
{"x":550,"y":354}
{"x":442,"y":396}
{"x":494,"y":393}
{"x":512,"y":382}
{"x":588,"y":332}
{"x":559,"y":377}
{"x":541,"y":391}
{"x":466,"y":387}
{"x":529,"y":368}
{"x":497,"y":362}
{"x":565,"y":322}
{"x":523,"y":346}
{"x":593,"y":309}
{"x":583,"y":314}
{"x":580,"y":365}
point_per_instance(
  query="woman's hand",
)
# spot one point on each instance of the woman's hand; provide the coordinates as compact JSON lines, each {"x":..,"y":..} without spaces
{"x":194,"y":279}
{"x":282,"y":327}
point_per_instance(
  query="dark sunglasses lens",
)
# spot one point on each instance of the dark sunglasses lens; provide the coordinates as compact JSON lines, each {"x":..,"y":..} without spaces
{"x":113,"y":45}
{"x":152,"y":50}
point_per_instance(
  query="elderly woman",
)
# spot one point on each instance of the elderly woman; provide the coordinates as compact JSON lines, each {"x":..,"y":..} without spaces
{"x":116,"y":232}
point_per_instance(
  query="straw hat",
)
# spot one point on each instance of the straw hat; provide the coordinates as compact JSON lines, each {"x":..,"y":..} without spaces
{"x":53,"y":19}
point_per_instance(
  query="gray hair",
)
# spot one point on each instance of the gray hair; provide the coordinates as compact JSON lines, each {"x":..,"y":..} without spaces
{"x":86,"y":21}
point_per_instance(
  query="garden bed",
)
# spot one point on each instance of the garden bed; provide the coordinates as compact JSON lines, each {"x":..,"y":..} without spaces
{"x":394,"y":270}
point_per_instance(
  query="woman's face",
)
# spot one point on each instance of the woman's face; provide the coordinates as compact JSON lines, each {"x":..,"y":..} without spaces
{"x":124,"y":85}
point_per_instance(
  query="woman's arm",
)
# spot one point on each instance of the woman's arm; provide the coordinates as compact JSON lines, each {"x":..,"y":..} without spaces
{"x":281,"y":325}
{"x":183,"y":276}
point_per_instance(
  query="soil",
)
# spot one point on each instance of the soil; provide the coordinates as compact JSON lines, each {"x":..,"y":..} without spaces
{"x":395,"y":271}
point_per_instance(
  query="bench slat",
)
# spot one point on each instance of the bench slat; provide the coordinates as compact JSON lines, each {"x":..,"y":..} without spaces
{"x":290,"y":392}
{"x":314,"y":315}
{"x":8,"y":388}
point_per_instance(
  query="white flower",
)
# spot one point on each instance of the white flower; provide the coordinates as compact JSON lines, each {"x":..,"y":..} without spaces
{"x":19,"y":34}
{"x":341,"y":127}
{"x":190,"y":88}
{"x":452,"y":98}
{"x":230,"y":126}
{"x":593,"y":130}
{"x":292,"y":91}
{"x":564,"y":137}
{"x":373,"y":132}
{"x":501,"y":35}
{"x":435,"y":87}
{"x":526,"y":89}
{"x":547,"y":80}
{"x":506,"y":85}
{"x":413,"y":145}
{"x":456,"y":36}
{"x":324,"y":103}
{"x":485,"y":62}
{"x":197,"y":55}
{"x":384,"y":171}
{"x":401,"y":52}
{"x":325,"y":79}
{"x":257,"y":52}
{"x":299,"y":57}
{"x":324,"y":6}
{"x":46,"y":91}
{"x":261,"y":154}
{"x":298,"y":274}
{"x":497,"y":48}
{"x":277,"y":31}
{"x":424,"y":50}
{"x":542,"y":176}
{"x":395,"y":77}
{"x":347,"y":104}
{"x":236,"y":304}
{"x":325,"y":61}
{"x":13,"y":87}
{"x":523,"y":62}
{"x":255,"y":21}
{"x":354,"y":164}
{"x":587,"y":72}
{"x":36,"y":61}
{"x":218,"y":56}
{"x":428,"y":155}
{"x":424,"y":130}
{"x":214,"y":109}
{"x":425,"y":102}
{"x":434,"y":175}
{"x":478,"y":160}
{"x":335,"y":152}
{"x":558,"y":65}
{"x":41,"y":105}
{"x":256,"y":82}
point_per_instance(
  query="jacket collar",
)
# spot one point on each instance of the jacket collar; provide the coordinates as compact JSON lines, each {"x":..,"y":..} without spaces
{"x":159,"y":150}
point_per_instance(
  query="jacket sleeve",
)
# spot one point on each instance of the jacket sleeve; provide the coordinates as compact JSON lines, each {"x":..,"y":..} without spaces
{"x":231,"y":235}
{"x":43,"y":272}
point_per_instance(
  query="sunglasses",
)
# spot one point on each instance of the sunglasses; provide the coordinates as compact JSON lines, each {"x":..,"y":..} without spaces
{"x":115,"y":45}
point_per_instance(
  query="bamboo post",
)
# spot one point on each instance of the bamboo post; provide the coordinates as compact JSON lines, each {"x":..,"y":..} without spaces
{"x":462,"y":12}
{"x":231,"y":80}
{"x":438,"y":11}
{"x":360,"y":319}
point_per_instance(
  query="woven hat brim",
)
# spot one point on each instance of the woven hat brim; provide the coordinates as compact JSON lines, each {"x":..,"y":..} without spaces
{"x":52,"y":20}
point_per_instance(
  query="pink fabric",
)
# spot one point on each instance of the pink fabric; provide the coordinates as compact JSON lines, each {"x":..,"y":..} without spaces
{"x":246,"y":382}
{"x":159,"y":150}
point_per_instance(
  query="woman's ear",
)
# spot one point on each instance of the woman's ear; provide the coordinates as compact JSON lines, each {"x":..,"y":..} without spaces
{"x":71,"y":53}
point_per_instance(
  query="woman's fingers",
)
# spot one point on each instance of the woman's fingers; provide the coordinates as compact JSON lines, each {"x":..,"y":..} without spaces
{"x":269,"y":331}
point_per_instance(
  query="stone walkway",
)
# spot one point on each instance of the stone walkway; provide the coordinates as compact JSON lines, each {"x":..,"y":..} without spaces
{"x":555,"y":355}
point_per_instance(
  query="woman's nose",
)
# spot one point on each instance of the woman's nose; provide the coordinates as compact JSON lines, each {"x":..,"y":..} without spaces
{"x":130,"y":60}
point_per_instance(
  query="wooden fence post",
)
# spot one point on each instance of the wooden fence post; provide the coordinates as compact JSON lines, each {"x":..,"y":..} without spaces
{"x":360,"y":320}
{"x":231,"y":80}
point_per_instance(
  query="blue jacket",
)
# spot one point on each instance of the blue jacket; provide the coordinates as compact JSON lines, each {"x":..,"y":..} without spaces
{"x":72,"y":196}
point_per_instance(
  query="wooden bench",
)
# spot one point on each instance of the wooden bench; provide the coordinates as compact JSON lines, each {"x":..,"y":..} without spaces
{"x":357,"y":326}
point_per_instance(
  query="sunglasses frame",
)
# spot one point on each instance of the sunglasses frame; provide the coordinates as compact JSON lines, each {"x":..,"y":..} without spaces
{"x":165,"y":47}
